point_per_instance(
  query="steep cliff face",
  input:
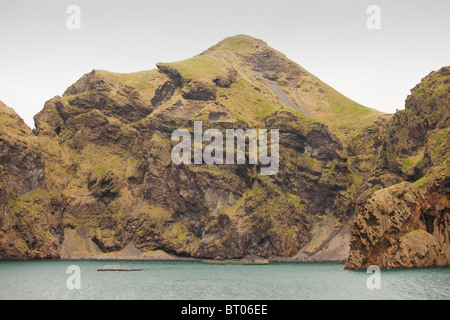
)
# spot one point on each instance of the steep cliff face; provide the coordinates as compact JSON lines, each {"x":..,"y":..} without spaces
{"x":407,"y":224}
{"x":417,"y":138}
{"x":30,"y":222}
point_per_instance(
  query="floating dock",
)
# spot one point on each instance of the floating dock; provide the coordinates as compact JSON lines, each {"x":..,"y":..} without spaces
{"x":117,"y":268}
{"x":237,"y":262}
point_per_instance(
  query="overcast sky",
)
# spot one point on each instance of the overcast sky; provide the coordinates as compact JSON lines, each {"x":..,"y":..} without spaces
{"x":40,"y":56}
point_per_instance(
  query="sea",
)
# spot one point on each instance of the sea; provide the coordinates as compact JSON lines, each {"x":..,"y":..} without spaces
{"x":186,"y":280}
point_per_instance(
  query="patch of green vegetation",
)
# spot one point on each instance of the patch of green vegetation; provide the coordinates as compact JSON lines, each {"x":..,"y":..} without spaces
{"x":344,"y":117}
{"x":100,"y":161}
{"x":28,"y":219}
{"x":32,"y":200}
{"x":232,"y":211}
{"x":421,"y":182}
{"x":203,"y":68}
{"x":246,"y":103}
{"x":393,"y":128}
{"x":178,"y":232}
{"x":311,"y":161}
{"x":154,"y":214}
{"x":296,"y":200}
{"x":330,"y":173}
{"x":306,"y":121}
{"x":332,"y":166}
{"x":240,"y":44}
{"x":408,"y":162}
{"x":441,"y":138}
{"x":214,"y":170}
{"x":144,"y":81}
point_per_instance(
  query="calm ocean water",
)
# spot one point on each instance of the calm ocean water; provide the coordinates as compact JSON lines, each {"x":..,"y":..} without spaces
{"x":195,"y":281}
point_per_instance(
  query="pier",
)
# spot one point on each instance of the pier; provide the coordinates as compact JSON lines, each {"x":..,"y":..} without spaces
{"x":117,"y":268}
{"x":237,"y":262}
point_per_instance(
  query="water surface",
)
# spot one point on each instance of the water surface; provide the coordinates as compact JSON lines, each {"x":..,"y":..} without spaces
{"x":167,"y":280}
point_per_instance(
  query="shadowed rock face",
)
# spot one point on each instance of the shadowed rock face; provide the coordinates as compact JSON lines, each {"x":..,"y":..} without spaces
{"x":23,"y":167}
{"x":99,"y":175}
{"x":232,"y":211}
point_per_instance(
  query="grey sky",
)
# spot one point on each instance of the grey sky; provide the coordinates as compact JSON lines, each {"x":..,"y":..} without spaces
{"x":40,"y":57}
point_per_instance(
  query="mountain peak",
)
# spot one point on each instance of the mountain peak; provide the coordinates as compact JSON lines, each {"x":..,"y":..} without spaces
{"x":240,"y":43}
{"x":249,"y":65}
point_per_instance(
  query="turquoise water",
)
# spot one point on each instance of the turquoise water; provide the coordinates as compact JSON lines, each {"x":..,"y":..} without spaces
{"x":196,"y":281}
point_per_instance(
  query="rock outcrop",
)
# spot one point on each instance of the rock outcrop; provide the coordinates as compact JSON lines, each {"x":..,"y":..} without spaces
{"x":402,"y":227}
{"x":406,"y":224}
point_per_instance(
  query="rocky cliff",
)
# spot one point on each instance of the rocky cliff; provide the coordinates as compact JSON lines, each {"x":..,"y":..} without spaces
{"x":101,"y":183}
{"x":406,"y":222}
{"x":30,"y":214}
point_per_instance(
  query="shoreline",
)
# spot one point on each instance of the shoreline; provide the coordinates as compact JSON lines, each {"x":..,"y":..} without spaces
{"x":178,"y":259}
{"x":175,"y":259}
